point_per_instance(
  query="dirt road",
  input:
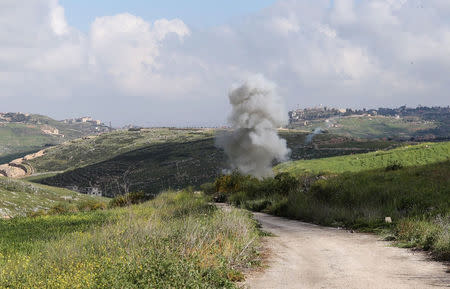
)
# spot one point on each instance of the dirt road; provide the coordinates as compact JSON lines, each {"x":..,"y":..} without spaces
{"x":307,"y":256}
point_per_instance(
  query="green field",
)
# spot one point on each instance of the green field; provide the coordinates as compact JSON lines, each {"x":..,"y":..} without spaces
{"x":421,"y":154}
{"x":177,"y":240}
{"x":379,"y":127}
{"x":20,"y":198}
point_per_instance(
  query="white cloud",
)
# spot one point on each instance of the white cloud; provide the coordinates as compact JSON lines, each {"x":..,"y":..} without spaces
{"x":58,"y":20}
{"x":351,"y":53}
{"x":285,"y":25}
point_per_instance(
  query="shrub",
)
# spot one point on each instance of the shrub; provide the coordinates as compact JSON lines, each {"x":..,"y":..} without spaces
{"x":119,"y":201}
{"x":393,"y":166}
{"x":208,"y":188}
{"x":37,"y":213}
{"x":91,"y":205}
{"x":63,"y":208}
{"x":128,"y":199}
{"x":285,"y":183}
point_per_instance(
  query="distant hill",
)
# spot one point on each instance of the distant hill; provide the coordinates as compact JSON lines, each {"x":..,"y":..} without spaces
{"x":151,"y":160}
{"x":21,"y":134}
{"x":403,"y":123}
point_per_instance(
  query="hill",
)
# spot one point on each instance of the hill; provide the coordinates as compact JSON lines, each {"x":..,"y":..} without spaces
{"x":403,"y":123}
{"x":21,"y":134}
{"x":152,"y":160}
{"x":411,"y":155}
{"x":19,"y":198}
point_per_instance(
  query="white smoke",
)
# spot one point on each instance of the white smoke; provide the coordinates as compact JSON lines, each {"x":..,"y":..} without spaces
{"x":253,"y":144}
{"x":310,"y":136}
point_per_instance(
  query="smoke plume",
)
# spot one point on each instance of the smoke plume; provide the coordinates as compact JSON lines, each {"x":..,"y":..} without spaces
{"x":253,"y":143}
{"x":310,"y":136}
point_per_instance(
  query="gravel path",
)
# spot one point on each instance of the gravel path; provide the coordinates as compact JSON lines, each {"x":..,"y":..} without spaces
{"x":307,"y":256}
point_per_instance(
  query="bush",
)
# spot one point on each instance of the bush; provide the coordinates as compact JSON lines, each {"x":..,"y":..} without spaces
{"x":208,"y":188}
{"x":281,"y":184}
{"x":285,"y":183}
{"x":91,"y":205}
{"x":395,"y":165}
{"x":128,"y":199}
{"x":425,"y":234}
{"x":230,"y":183}
{"x":63,"y":208}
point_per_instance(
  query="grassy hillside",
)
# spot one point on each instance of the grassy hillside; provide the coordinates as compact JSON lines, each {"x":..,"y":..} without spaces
{"x":19,"y":198}
{"x":24,"y":134}
{"x":156,"y":159}
{"x":371,"y":127}
{"x":409,"y":184}
{"x":421,"y":154}
{"x":149,"y":169}
{"x":177,"y":240}
{"x":86,"y":151}
{"x":16,"y":140}
{"x":379,"y":127}
{"x":417,"y":198}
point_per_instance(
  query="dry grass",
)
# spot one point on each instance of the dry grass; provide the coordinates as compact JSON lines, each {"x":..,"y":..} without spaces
{"x":177,"y":240}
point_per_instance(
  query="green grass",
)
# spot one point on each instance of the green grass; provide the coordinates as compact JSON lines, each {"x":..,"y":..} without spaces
{"x":177,"y":240}
{"x":379,"y":127}
{"x":410,"y":184}
{"x":421,"y":154}
{"x":19,"y":198}
{"x":17,"y":139}
{"x":417,"y":198}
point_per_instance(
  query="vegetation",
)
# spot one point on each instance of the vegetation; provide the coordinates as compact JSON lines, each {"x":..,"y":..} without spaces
{"x":379,"y":127}
{"x":152,"y":160}
{"x":91,"y":150}
{"x":412,"y":188}
{"x":177,"y":240}
{"x":420,"y":123}
{"x":17,"y":140}
{"x":20,"y":198}
{"x":421,"y":154}
{"x":150,"y":169}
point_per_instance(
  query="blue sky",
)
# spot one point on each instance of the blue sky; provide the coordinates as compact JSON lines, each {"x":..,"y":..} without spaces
{"x":195,"y":13}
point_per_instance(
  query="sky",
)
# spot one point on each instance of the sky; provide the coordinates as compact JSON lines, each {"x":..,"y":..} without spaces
{"x":172,"y":63}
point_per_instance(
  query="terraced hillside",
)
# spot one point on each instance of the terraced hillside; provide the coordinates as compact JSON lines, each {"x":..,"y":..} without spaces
{"x":151,"y":160}
{"x":374,"y":127}
{"x":94,"y":149}
{"x":18,"y":197}
{"x":411,"y":155}
{"x":22,"y":134}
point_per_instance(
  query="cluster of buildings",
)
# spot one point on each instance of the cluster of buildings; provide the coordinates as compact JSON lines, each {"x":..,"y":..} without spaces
{"x":14,"y":117}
